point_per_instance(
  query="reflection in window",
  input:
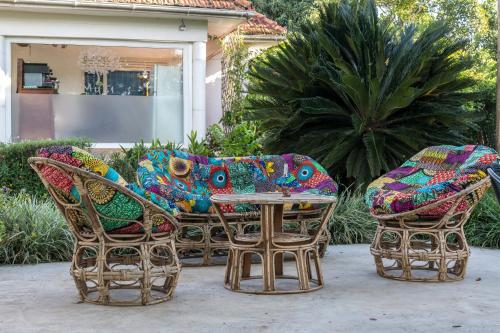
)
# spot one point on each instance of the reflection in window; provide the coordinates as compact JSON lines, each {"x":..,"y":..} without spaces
{"x":93,"y":84}
{"x":125,"y":83}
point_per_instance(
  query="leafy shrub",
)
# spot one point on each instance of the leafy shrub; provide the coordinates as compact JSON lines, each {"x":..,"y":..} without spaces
{"x":2,"y":231}
{"x":198,"y":147}
{"x":360,"y":94}
{"x":33,"y":231}
{"x":243,"y":140}
{"x":483,"y":228}
{"x":289,"y":13}
{"x":126,"y":161}
{"x":15,"y":172}
{"x":351,"y":222}
{"x":235,"y":57}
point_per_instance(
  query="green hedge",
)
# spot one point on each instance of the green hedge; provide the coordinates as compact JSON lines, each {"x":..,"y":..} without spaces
{"x":15,"y":172}
{"x":351,"y":222}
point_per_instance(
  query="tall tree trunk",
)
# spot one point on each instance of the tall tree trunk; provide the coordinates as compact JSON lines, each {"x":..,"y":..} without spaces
{"x":498,"y":79}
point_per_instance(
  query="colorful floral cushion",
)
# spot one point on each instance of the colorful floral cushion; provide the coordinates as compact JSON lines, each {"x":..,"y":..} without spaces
{"x":431,"y":175}
{"x":112,"y":206}
{"x":189,"y":180}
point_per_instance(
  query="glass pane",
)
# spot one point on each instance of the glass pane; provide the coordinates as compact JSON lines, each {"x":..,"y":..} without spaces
{"x":104,"y":119}
{"x":109,"y":94}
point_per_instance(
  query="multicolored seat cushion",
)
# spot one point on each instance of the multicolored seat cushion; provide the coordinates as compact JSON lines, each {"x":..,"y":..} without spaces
{"x":189,"y":180}
{"x":431,"y":175}
{"x":112,"y":206}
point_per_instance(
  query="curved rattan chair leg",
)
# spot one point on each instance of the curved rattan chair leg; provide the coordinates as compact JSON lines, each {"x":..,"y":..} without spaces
{"x":145,"y":281}
{"x":405,"y":259}
{"x":308,"y":265}
{"x":400,"y":254}
{"x":303,"y":269}
{"x":443,"y":269}
{"x":102,"y":284}
{"x":235,"y":269}
{"x":317,"y":264}
{"x":97,"y":280}
{"x":229,"y":266}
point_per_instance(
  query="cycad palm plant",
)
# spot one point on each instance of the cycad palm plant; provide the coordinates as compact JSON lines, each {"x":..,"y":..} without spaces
{"x":359,"y":94}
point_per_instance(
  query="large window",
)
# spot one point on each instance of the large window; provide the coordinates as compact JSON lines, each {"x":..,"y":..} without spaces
{"x":109,"y":94}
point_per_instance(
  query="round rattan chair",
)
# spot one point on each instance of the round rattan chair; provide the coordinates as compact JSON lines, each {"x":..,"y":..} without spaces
{"x":114,"y":268}
{"x":422,"y":207}
{"x":409,"y":247}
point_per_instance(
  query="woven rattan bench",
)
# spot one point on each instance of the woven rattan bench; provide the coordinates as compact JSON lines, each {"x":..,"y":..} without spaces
{"x":189,"y":180}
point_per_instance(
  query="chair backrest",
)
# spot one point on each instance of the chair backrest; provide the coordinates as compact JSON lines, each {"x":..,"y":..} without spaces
{"x":189,"y":180}
{"x":98,"y":208}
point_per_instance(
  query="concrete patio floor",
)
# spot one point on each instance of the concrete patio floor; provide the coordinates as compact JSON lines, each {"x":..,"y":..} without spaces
{"x":42,"y":298}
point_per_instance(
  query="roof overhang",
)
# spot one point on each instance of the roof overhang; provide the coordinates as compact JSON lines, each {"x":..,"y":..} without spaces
{"x":263,"y":38}
{"x":220,"y":21}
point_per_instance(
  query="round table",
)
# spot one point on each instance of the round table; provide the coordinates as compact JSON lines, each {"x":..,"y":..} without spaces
{"x":271,"y":243}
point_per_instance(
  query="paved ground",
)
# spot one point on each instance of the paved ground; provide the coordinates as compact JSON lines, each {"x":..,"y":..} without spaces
{"x":42,"y":298}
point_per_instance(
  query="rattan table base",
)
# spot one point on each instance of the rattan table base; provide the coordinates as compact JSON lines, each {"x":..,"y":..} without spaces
{"x":202,"y":240}
{"x":271,"y":245}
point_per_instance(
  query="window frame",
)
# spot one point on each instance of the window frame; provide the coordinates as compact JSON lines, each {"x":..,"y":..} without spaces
{"x":187,"y":77}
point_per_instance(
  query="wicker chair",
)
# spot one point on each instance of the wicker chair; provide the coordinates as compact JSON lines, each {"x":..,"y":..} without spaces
{"x":187,"y":180}
{"x":422,"y":207}
{"x":134,"y":263}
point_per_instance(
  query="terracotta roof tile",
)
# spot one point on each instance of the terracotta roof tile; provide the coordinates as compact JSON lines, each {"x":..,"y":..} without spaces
{"x":261,"y":25}
{"x":213,"y":4}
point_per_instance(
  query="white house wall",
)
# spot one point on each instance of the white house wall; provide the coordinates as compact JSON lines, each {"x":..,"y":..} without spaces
{"x":214,"y":90}
{"x":214,"y":75}
{"x":100,"y":27}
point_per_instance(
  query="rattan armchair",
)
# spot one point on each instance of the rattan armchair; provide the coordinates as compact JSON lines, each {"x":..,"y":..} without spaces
{"x":409,"y":247}
{"x":125,"y":268}
{"x":422,"y":207}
